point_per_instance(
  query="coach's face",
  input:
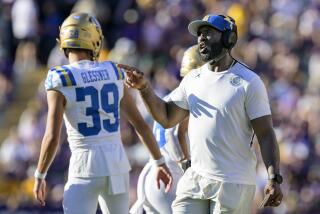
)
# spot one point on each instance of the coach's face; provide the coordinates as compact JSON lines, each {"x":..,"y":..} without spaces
{"x":209,"y":43}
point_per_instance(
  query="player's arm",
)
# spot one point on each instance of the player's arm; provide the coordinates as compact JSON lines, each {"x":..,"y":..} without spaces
{"x":130,"y":112}
{"x":50,"y":142}
{"x":182,"y":130}
{"x":263,"y":129}
{"x":167,"y":114}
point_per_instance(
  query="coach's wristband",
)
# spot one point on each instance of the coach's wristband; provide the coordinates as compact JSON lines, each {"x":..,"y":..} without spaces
{"x":39,"y":175}
{"x":158,"y":162}
{"x":185,"y":164}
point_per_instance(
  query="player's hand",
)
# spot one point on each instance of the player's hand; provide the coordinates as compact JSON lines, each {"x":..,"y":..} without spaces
{"x":39,"y":191}
{"x":164,"y":175}
{"x":273,"y":189}
{"x":134,"y":78}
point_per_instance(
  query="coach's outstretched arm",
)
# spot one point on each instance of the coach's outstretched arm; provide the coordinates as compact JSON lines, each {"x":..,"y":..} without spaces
{"x":167,"y":114}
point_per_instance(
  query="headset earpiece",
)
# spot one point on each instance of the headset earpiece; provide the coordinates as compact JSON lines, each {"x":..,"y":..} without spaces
{"x":225,"y":24}
{"x":229,"y":37}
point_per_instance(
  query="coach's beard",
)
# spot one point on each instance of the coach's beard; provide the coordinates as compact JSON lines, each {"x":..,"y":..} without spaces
{"x":213,"y":53}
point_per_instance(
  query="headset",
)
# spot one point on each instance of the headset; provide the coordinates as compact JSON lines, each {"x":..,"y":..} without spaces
{"x":229,"y":33}
{"x":224,"y":24}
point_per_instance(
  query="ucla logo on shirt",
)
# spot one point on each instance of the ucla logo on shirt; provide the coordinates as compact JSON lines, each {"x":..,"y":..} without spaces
{"x":236,"y":80}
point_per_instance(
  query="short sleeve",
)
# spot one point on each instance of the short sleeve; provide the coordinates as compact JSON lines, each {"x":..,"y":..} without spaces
{"x":58,"y":77}
{"x":119,"y":72}
{"x":257,"y":102}
{"x":53,"y":80}
{"x":179,"y":95}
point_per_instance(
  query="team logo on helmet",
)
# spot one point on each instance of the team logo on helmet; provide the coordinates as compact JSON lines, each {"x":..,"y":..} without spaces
{"x":206,"y":18}
{"x":228,"y":19}
{"x":74,"y":34}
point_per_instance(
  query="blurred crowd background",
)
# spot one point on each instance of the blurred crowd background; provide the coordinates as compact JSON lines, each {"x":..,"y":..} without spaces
{"x":278,"y":39}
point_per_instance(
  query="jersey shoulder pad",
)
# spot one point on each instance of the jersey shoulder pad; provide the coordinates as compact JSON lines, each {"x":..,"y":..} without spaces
{"x":59,"y":76}
{"x":119,"y":72}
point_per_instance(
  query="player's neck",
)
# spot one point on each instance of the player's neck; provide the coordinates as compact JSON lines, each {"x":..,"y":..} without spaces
{"x":223,"y":64}
{"x":75,"y":57}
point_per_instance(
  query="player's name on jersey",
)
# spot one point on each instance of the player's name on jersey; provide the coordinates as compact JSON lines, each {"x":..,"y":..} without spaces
{"x":96,"y":75}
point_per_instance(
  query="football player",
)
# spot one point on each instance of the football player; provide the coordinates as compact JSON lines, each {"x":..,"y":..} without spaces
{"x":90,"y":97}
{"x":174,"y":147}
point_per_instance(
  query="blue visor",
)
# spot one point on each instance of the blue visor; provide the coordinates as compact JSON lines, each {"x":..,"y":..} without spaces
{"x":218,"y":22}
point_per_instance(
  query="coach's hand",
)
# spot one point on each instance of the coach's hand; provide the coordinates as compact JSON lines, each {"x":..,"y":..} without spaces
{"x":163,"y":174}
{"x":134,"y":78}
{"x":275,"y":192}
{"x":39,"y":191}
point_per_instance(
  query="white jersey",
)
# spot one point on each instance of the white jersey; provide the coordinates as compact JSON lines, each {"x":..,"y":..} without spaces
{"x":93,"y":91}
{"x":221,"y":105}
{"x":149,"y":196}
{"x":168,"y":143}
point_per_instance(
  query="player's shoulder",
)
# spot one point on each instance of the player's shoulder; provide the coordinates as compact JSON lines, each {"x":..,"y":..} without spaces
{"x":245,"y":72}
{"x":106,"y":63}
{"x":250,"y":78}
{"x":113,"y":68}
{"x":60,"y":76}
{"x":63,"y":73}
{"x":194,"y":73}
{"x":60,"y":67}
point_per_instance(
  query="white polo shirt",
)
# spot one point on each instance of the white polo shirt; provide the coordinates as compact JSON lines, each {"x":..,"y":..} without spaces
{"x":221,"y":105}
